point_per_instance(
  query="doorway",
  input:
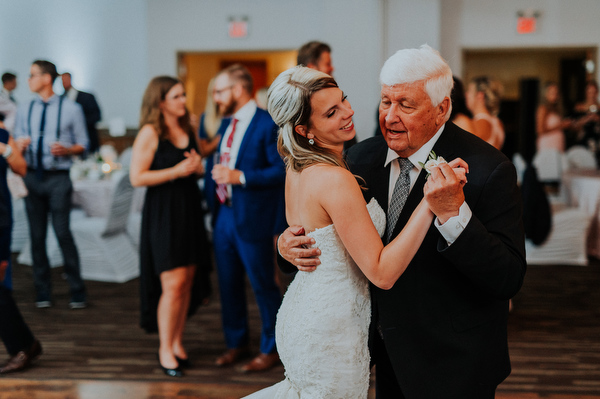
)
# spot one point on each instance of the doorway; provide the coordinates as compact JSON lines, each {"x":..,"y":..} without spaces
{"x":196,"y":69}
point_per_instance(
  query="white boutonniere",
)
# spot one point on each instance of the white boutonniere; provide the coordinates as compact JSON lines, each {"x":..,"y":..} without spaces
{"x":432,"y":161}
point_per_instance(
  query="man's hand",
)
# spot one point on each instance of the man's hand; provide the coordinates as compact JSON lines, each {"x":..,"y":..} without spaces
{"x":293,"y":247}
{"x":444,"y":189}
{"x":22,"y":143}
{"x":221,"y":174}
{"x":58,"y":150}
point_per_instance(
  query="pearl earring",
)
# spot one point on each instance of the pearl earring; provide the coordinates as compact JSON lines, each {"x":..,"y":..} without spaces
{"x":311,"y":141}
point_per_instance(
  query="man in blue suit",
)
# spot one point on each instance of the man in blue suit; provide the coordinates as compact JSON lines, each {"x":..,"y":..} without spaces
{"x":248,"y":212}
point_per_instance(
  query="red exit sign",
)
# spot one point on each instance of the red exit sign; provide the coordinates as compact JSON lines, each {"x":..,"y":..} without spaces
{"x":526,"y":25}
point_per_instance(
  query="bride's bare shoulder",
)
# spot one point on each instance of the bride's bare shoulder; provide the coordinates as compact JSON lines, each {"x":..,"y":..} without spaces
{"x":325,"y":171}
{"x":328,"y":178}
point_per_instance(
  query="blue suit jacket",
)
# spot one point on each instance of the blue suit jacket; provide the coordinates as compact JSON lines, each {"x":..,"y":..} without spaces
{"x":259,"y":206}
{"x":209,"y":184}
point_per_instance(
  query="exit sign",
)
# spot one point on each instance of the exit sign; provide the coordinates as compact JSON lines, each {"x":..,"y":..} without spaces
{"x":238,"y":28}
{"x":526,"y":25}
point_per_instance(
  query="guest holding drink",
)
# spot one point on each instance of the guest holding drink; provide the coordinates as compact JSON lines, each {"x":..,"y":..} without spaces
{"x":174,"y":250}
{"x":549,"y":124}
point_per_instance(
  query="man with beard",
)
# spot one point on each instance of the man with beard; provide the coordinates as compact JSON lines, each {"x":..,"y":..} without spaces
{"x":248,"y":180}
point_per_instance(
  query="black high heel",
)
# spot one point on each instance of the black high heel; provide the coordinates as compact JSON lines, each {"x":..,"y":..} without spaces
{"x":176,"y":372}
{"x":183,"y":363}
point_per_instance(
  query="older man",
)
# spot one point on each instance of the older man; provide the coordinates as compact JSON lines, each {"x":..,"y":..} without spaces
{"x":440,"y":331}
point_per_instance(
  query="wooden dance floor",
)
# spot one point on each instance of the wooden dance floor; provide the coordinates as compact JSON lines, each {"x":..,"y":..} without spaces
{"x":100,"y":352}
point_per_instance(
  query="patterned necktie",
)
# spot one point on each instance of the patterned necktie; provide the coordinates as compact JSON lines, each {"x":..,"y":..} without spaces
{"x":224,"y":160}
{"x":39,"y":172}
{"x":399,"y":196}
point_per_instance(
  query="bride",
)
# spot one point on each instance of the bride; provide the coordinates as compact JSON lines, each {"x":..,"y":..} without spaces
{"x":323,"y":323}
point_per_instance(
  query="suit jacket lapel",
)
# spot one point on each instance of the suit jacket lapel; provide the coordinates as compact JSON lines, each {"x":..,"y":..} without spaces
{"x":444,"y":147}
{"x":377,"y":176}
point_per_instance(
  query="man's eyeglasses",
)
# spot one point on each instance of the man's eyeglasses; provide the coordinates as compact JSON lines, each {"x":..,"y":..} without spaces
{"x":218,"y":92}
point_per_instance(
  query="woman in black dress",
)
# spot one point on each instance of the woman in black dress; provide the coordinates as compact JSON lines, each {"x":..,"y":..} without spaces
{"x":174,"y":250}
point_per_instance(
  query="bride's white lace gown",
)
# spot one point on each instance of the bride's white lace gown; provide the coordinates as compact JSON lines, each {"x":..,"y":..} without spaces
{"x":323,"y":325}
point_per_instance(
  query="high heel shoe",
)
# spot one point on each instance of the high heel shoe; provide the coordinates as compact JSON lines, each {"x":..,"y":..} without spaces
{"x":176,"y":372}
{"x":183,"y":363}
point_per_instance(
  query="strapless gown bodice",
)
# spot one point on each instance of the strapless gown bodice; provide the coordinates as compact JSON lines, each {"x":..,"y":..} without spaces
{"x":323,"y":325}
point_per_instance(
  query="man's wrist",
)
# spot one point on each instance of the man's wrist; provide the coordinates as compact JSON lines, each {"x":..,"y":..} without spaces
{"x":7,"y":151}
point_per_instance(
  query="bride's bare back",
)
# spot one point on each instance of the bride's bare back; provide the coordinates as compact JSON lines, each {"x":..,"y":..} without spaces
{"x":322,"y":194}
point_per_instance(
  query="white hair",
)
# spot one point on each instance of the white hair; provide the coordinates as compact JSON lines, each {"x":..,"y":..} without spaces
{"x":420,"y":64}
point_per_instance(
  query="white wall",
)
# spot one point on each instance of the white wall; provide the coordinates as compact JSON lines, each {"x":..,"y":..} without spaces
{"x":102,"y":43}
{"x":493,"y":24}
{"x":114,"y":47}
{"x":350,"y":27}
{"x":411,"y":23}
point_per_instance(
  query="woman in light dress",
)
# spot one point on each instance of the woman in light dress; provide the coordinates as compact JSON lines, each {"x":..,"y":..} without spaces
{"x":323,"y":323}
{"x":483,"y":99}
{"x":549,"y":124}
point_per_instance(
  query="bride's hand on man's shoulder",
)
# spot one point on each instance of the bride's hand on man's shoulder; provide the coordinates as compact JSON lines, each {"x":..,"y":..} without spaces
{"x":294,"y":247}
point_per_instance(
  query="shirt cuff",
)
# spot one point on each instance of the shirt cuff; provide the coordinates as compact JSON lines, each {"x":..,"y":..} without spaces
{"x":455,"y":225}
{"x":243,"y":179}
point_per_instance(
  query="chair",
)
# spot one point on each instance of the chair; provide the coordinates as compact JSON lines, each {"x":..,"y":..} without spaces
{"x":125,"y":157}
{"x":106,"y":251}
{"x":23,"y":245}
{"x":134,"y":225}
{"x":579,"y":157}
{"x":567,"y":242}
{"x":550,"y":164}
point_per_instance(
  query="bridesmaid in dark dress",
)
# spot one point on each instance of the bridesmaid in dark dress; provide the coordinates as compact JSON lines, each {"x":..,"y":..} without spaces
{"x":174,"y":252}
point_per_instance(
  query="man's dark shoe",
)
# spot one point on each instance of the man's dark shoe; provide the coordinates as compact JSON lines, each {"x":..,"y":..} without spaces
{"x":231,"y":356}
{"x":23,"y":359}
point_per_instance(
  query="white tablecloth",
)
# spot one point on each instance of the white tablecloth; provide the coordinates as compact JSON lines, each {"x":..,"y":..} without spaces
{"x":91,"y":196}
{"x":94,"y":197}
{"x":581,"y":189}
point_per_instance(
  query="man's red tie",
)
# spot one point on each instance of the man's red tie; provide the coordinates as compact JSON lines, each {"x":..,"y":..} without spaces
{"x":224,"y":160}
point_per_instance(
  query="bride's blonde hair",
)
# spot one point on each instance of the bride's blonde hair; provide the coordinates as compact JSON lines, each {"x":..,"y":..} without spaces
{"x":289,"y":105}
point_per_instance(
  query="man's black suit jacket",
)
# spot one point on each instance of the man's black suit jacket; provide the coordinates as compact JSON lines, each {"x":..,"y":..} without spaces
{"x":92,"y":114}
{"x":444,"y":321}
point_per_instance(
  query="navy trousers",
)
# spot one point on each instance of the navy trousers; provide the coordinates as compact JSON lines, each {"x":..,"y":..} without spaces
{"x":237,"y":258}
